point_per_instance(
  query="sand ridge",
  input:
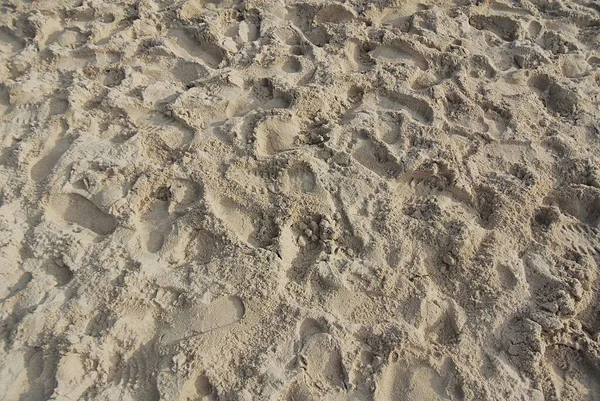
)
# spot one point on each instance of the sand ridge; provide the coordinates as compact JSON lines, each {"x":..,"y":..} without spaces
{"x":299,"y":200}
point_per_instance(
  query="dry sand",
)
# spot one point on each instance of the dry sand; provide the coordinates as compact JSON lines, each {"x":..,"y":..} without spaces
{"x":299,"y":200}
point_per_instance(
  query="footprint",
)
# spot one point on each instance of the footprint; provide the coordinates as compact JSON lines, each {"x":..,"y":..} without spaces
{"x":299,"y":178}
{"x":112,"y":77}
{"x":554,"y":96}
{"x":302,"y":262}
{"x":300,"y":249}
{"x":481,"y":66}
{"x":495,"y":118}
{"x":302,"y":17}
{"x":355,"y":95}
{"x":334,"y":14}
{"x":188,"y":71}
{"x":41,"y":365}
{"x":203,"y":247}
{"x":76,"y":61}
{"x":195,"y":46}
{"x":202,"y":319}
{"x":9,"y":42}
{"x":389,"y":128}
{"x":308,"y":328}
{"x":56,"y":145}
{"x":507,"y":277}
{"x":4,"y":99}
{"x":561,"y":100}
{"x":534,"y":28}
{"x":17,"y":124}
{"x":171,"y":132}
{"x":400,"y":17}
{"x":358,"y":56}
{"x":203,"y":386}
{"x":197,"y":388}
{"x":248,"y":31}
{"x":276,"y":134}
{"x":71,"y":377}
{"x":292,"y":65}
{"x":17,"y":287}
{"x":400,"y":52}
{"x":288,"y":250}
{"x":539,"y":83}
{"x":505,"y":27}
{"x":323,"y":363}
{"x":138,"y":374}
{"x":57,"y":106}
{"x":375,"y":156}
{"x":502,"y":7}
{"x":199,"y":109}
{"x":156,"y":224}
{"x":410,"y":381}
{"x":417,"y":108}
{"x":74,"y":208}
{"x":442,"y":321}
{"x":184,"y":193}
{"x":424,"y":81}
{"x":101,"y":323}
{"x":567,"y":368}
{"x":267,"y":96}
{"x":222,"y":312}
{"x":61,"y":272}
{"x":579,"y":238}
{"x":239,"y":220}
{"x":575,"y":67}
{"x":425,"y":384}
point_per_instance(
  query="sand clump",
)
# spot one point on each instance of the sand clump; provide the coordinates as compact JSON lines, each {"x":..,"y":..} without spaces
{"x":299,"y":200}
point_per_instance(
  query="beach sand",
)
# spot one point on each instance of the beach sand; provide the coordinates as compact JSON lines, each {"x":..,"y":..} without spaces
{"x":299,"y":200}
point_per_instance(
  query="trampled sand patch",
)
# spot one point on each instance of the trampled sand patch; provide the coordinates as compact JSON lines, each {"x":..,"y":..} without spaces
{"x":299,"y":200}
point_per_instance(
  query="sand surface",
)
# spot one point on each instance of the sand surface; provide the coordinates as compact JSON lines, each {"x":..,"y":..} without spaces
{"x":299,"y":200}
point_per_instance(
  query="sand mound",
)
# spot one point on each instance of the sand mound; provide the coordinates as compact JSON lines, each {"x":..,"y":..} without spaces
{"x":299,"y":200}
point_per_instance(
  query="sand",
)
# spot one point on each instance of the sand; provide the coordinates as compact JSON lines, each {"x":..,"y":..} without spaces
{"x":299,"y":200}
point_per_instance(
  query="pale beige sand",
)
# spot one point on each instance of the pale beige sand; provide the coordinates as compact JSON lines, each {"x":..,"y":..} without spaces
{"x":299,"y":200}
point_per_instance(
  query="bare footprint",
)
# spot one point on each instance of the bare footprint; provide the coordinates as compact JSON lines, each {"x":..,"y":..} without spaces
{"x":375,"y":157}
{"x":191,"y":42}
{"x":171,"y":132}
{"x":575,"y":67}
{"x":424,"y":81}
{"x":555,"y":97}
{"x":308,"y":328}
{"x":188,"y":71}
{"x":400,"y":17}
{"x":156,"y":225}
{"x":581,"y":202}
{"x":503,"y":26}
{"x":198,"y":388}
{"x":204,"y":246}
{"x":358,"y":56}
{"x":74,"y":208}
{"x":201,"y":319}
{"x":245,"y":224}
{"x":9,"y":42}
{"x":56,"y":145}
{"x":276,"y":134}
{"x":417,"y":108}
{"x":323,"y":363}
{"x":299,"y":178}
{"x":334,"y":13}
{"x":292,"y":65}
{"x":400,"y":52}
{"x":413,"y":381}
